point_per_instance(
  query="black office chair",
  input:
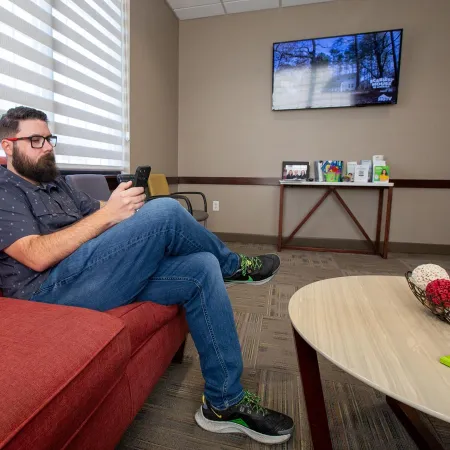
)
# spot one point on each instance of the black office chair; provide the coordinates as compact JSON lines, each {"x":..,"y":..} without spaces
{"x":92,"y":184}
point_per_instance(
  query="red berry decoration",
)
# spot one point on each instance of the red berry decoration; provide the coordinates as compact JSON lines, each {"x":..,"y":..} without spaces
{"x":438,"y":291}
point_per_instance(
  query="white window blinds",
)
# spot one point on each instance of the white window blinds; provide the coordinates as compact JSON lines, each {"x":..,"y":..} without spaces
{"x":69,"y":58}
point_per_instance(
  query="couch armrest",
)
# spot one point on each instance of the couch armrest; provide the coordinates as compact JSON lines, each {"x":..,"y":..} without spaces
{"x":47,"y":352}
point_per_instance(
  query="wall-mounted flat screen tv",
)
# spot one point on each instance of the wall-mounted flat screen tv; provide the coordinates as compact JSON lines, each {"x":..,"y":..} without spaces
{"x":353,"y":70}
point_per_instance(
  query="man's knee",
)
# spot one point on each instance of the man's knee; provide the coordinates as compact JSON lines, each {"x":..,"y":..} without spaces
{"x":160,"y":209}
{"x":164,"y":206}
{"x":205,"y":264}
{"x":162,"y":203}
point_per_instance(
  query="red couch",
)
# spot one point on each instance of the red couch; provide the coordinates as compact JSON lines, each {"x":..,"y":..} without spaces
{"x":73,"y":378}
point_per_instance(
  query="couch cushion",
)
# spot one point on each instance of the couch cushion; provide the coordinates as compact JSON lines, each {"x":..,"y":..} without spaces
{"x":57,"y":365}
{"x":143,"y":319}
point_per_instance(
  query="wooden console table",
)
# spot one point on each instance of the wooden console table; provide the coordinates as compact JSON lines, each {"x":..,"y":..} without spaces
{"x":332,"y":188}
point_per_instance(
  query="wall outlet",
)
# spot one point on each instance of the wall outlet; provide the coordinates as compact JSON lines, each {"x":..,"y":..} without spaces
{"x":216,"y":205}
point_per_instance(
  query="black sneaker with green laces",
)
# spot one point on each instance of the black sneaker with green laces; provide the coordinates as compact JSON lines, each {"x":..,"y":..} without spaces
{"x":255,"y":270}
{"x":247,"y":417}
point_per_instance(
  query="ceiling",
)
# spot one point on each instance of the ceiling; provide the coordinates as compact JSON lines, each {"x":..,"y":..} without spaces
{"x":195,"y":9}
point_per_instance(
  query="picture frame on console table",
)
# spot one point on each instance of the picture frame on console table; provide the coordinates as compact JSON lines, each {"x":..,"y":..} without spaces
{"x":295,"y":170}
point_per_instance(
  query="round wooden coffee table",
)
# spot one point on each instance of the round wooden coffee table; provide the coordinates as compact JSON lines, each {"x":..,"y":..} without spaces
{"x":373,"y":328}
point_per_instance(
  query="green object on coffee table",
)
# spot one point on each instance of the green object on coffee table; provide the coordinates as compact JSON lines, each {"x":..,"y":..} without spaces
{"x":445,"y":360}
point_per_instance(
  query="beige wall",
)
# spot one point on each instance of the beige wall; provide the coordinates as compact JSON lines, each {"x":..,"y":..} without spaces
{"x":227,"y":128}
{"x":154,"y":86}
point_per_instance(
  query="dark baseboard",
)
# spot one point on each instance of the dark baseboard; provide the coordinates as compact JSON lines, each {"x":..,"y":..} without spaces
{"x":351,"y":244}
{"x":414,"y":247}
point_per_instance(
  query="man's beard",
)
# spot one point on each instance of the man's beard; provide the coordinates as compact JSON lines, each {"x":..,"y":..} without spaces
{"x":42,"y":171}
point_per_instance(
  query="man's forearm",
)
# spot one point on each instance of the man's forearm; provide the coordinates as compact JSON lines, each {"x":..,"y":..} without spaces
{"x":48,"y":250}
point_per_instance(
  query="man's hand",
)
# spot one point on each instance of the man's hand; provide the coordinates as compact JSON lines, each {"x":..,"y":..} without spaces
{"x":124,"y":202}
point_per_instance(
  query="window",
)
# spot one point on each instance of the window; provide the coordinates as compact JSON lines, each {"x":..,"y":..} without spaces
{"x":69,"y":58}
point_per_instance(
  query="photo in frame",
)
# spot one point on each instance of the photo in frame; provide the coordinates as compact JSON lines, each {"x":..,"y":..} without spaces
{"x":295,"y":170}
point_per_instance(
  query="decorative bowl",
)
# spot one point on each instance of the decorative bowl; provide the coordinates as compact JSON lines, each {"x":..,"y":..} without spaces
{"x":437,"y":309}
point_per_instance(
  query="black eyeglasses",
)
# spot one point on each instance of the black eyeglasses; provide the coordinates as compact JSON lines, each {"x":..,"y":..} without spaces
{"x":37,"y":141}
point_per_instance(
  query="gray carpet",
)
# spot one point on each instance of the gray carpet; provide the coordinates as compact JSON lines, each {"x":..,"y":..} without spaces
{"x":358,"y":415}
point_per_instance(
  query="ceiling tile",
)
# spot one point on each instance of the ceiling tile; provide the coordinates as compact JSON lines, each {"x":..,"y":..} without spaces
{"x":249,"y":5}
{"x":195,"y":9}
{"x":197,"y":12}
{"x":301,"y":2}
{"x":177,"y":4}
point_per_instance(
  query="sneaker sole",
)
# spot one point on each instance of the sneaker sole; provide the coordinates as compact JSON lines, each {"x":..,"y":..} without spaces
{"x":230,"y":427}
{"x":251,"y":283}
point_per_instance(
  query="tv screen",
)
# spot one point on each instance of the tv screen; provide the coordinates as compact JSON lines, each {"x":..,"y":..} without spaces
{"x":353,"y":70}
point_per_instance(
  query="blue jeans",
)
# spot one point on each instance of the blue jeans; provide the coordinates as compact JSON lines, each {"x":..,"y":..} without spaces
{"x":161,"y":254}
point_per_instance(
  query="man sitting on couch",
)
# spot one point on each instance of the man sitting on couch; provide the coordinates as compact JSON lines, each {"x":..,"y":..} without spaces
{"x":58,"y":245}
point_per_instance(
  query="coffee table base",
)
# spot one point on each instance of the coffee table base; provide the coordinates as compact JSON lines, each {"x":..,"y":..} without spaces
{"x":313,"y":393}
{"x":317,"y":415}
